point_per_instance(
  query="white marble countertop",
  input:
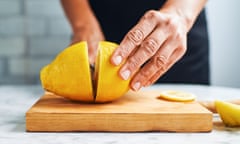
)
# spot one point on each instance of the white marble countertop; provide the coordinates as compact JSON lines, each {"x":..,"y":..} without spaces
{"x":16,"y":100}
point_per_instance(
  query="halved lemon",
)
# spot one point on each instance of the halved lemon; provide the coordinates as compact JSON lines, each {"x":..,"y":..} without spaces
{"x":178,"y":96}
{"x":69,"y":75}
{"x":109,"y":86}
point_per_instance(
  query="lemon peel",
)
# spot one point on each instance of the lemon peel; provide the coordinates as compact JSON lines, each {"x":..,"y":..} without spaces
{"x":229,"y":113}
{"x":69,"y":75}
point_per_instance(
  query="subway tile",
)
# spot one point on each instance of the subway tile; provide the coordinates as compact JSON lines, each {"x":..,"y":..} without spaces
{"x":44,"y":8}
{"x":19,"y":80}
{"x":2,"y":67}
{"x":59,"y":26}
{"x":27,"y":66}
{"x":36,"y":26}
{"x":10,"y":7}
{"x":42,"y":46}
{"x":12,"y":46}
{"x":12,"y":26}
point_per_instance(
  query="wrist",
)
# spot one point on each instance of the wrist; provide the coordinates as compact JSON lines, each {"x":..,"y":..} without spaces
{"x":85,"y":24}
{"x":185,"y":18}
{"x":187,"y":10}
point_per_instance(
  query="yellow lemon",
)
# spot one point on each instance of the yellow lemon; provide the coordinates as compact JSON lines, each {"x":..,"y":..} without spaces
{"x":179,"y":96}
{"x":69,"y":75}
{"x":109,"y":85}
{"x":229,"y":113}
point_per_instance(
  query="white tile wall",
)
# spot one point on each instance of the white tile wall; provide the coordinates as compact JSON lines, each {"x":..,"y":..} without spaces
{"x":13,"y":46}
{"x":32,"y":32}
{"x":27,"y":66}
{"x":10,"y":7}
{"x":48,"y":45}
{"x":12,"y":26}
{"x":59,"y":26}
{"x":45,"y":8}
{"x":36,"y":26}
{"x":2,"y":67}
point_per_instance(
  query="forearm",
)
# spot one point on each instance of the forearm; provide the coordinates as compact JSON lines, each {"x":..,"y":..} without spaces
{"x":78,"y":13}
{"x":188,"y":9}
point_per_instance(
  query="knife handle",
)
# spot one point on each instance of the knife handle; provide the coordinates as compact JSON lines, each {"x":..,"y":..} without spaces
{"x":211,"y":106}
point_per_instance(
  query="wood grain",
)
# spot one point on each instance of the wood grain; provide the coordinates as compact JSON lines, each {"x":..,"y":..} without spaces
{"x":134,"y":112}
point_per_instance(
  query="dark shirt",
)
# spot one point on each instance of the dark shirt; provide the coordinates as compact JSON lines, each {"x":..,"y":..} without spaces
{"x":117,"y":17}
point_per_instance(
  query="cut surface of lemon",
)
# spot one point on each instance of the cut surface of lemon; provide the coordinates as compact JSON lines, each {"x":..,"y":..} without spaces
{"x":178,"y":96}
{"x":109,"y":86}
{"x":69,"y":75}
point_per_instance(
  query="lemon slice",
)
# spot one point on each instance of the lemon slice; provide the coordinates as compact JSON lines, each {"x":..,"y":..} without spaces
{"x":178,"y":96}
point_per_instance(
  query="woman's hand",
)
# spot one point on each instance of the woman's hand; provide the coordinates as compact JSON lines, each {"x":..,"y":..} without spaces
{"x":151,"y":48}
{"x":92,"y":34}
{"x":84,"y":25}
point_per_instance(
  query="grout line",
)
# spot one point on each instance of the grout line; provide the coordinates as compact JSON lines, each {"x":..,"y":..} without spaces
{"x":27,"y":44}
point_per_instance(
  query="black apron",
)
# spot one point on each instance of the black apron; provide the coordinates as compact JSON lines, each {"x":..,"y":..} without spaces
{"x":117,"y":17}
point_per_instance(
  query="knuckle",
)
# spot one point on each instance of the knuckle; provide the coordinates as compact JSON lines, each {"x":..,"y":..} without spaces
{"x":145,"y":73}
{"x":173,"y":25}
{"x":163,"y":69}
{"x":154,"y":16}
{"x":155,"y":78}
{"x":134,"y":62}
{"x":178,"y":36}
{"x":125,"y":50}
{"x":135,"y":36}
{"x":160,"y":61}
{"x":150,"y":46}
{"x":182,"y":49}
{"x":151,"y":14}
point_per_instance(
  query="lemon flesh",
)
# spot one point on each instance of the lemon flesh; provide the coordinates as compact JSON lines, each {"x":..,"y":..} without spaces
{"x":229,"y":113}
{"x":68,"y":74}
{"x":178,"y":96}
{"x":109,"y":85}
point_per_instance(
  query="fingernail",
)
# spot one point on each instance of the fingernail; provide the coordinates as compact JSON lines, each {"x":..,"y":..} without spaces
{"x":137,"y":86}
{"x":117,"y":60}
{"x":125,"y":75}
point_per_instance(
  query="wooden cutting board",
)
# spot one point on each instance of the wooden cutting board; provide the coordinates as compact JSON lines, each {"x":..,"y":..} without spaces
{"x":134,"y":112}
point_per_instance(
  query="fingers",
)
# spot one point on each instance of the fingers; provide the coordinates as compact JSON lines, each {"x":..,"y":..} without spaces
{"x":177,"y":54}
{"x":135,"y":36}
{"x":157,"y":63}
{"x":92,"y":50}
{"x":158,"y":39}
{"x":145,"y":51}
{"x":170,"y":52}
{"x":145,"y":73}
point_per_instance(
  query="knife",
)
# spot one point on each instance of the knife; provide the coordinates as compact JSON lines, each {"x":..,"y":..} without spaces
{"x":211,"y":106}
